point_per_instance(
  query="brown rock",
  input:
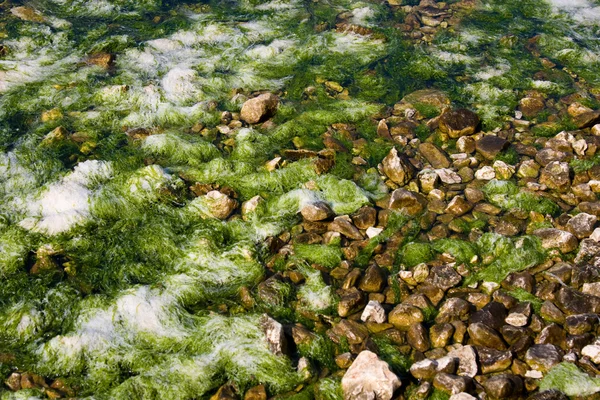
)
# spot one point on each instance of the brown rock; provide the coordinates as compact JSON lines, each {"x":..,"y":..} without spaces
{"x":440,"y":334}
{"x":365,"y":217}
{"x":434,"y":155}
{"x":490,"y":145}
{"x":343,"y":224}
{"x":483,"y":335}
{"x":354,"y":332}
{"x":259,"y":108}
{"x":256,"y":393}
{"x":457,"y":123}
{"x":316,"y":211}
{"x":503,"y":386}
{"x":542,"y":357}
{"x":403,"y":316}
{"x":410,"y":202}
{"x":350,"y":301}
{"x":444,"y":277}
{"x":556,"y":239}
{"x":587,"y":119}
{"x":397,"y":167}
{"x":452,"y":384}
{"x":458,"y":206}
{"x":555,"y":175}
{"x":373,"y":280}
{"x":492,"y":360}
{"x":418,"y":338}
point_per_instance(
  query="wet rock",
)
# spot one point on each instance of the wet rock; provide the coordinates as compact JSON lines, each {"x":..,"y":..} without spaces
{"x":485,"y":173}
{"x":369,"y":378}
{"x":457,"y":123}
{"x":458,"y":206}
{"x":225,"y":392}
{"x":489,"y":146}
{"x":503,"y":386}
{"x":551,"y":394}
{"x":316,"y":212}
{"x":581,"y":323}
{"x":574,"y":302}
{"x":483,"y":335}
{"x":418,"y":338}
{"x":557,"y":239}
{"x":397,"y":167}
{"x":403,"y":316}
{"x":552,"y":334}
{"x":443,"y":277}
{"x":354,"y":332}
{"x":492,"y":315}
{"x":448,"y":176}
{"x":350,"y":300}
{"x":465,"y":144}
{"x":492,"y":360}
{"x":373,"y":280}
{"x":424,"y":369}
{"x":551,"y":313}
{"x":588,"y":249}
{"x":590,"y":207}
{"x":587,"y":119}
{"x":519,"y":315}
{"x":343,"y":224}
{"x":467,"y":360}
{"x":365,"y":217}
{"x":410,"y":202}
{"x":593,"y":352}
{"x":440,"y":334}
{"x":452,"y":384}
{"x":259,"y":108}
{"x":13,"y":381}
{"x":373,"y":312}
{"x":434,"y":155}
{"x":27,"y":14}
{"x":542,"y":357}
{"x":555,"y":175}
{"x":453,"y":309}
{"x":273,"y":334}
{"x":256,"y":393}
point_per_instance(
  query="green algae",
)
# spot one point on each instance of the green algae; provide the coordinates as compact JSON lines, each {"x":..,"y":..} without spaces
{"x":507,"y":195}
{"x":570,"y":380}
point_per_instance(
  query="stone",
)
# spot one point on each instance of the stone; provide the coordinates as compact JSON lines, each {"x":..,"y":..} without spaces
{"x":220,"y":205}
{"x":587,"y":119}
{"x":350,"y":300}
{"x":579,"y":324}
{"x":259,"y":108}
{"x":448,"y":176}
{"x":519,"y":315}
{"x":447,"y":364}
{"x":365,"y":217}
{"x":369,"y":378}
{"x":352,"y":331}
{"x":528,"y":169}
{"x":588,"y":249}
{"x":397,"y":167}
{"x":343,"y":224}
{"x":458,"y":206}
{"x":434,"y":155}
{"x":373,"y":279}
{"x":256,"y":393}
{"x":492,"y":315}
{"x":318,"y":211}
{"x":491,"y":360}
{"x":418,"y":338}
{"x":503,"y":386}
{"x":557,"y":239}
{"x":542,"y":357}
{"x":453,"y":308}
{"x":465,"y":144}
{"x":483,"y":335}
{"x":551,"y":394}
{"x":462,"y":396}
{"x":27,"y":14}
{"x":250,"y":206}
{"x":593,"y":352}
{"x":225,"y":392}
{"x":428,"y":180}
{"x":13,"y":381}
{"x":592,"y":288}
{"x":403,"y":316}
{"x":373,"y":312}
{"x":440,"y":335}
{"x":410,"y":202}
{"x":424,"y":369}
{"x":274,"y":334}
{"x":452,"y":384}
{"x":444,"y":277}
{"x":489,"y":146}
{"x":467,"y":360}
{"x":457,"y":123}
{"x":485,"y":173}
{"x":503,"y":170}
{"x":555,"y":176}
{"x":572,"y":302}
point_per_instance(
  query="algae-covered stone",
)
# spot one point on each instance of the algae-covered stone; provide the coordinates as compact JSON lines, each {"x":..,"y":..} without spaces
{"x":460,"y":122}
{"x":557,"y":239}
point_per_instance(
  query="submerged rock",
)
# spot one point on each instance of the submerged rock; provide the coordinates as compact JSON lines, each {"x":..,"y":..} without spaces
{"x":259,"y":108}
{"x":457,"y":123}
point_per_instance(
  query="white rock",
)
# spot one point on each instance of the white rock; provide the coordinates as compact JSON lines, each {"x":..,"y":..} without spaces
{"x":485,"y":173}
{"x":373,"y":312}
{"x":467,"y":360}
{"x":369,"y":378}
{"x":462,"y":396}
{"x":593,"y":352}
{"x":448,"y":176}
{"x":516,"y":319}
{"x":372,"y":231}
{"x":580,"y":146}
{"x":535,"y":374}
{"x":591,"y":288}
{"x":595,"y":235}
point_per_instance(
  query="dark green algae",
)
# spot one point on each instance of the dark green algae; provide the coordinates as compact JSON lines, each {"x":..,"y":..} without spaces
{"x":130,"y":243}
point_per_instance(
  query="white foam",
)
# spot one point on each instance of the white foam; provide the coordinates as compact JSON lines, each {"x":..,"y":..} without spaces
{"x":582,"y":11}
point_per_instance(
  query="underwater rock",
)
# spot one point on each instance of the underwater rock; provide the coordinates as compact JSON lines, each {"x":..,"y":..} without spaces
{"x":259,"y":108}
{"x":369,"y":378}
{"x":397,"y":167}
{"x":457,"y":123}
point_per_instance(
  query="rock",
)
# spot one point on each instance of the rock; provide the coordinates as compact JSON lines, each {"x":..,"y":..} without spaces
{"x":492,"y":315}
{"x":365,"y":217}
{"x":259,"y":108}
{"x":452,"y":384}
{"x":220,"y":205}
{"x":591,"y":288}
{"x":428,"y":180}
{"x":410,"y":202}
{"x":27,"y":14}
{"x":467,"y":360}
{"x":542,"y":357}
{"x":453,"y":309}
{"x":588,"y":249}
{"x":373,"y":279}
{"x":344,"y":360}
{"x":447,"y":364}
{"x":458,"y":206}
{"x":103,"y":60}
{"x":593,"y":352}
{"x":273,"y":334}
{"x":572,"y":302}
{"x":483,"y":335}
{"x":318,"y":211}
{"x":373,"y":312}
{"x":587,"y":119}
{"x":556,"y":239}
{"x":485,"y":173}
{"x":444,"y":277}
{"x":431,"y":97}
{"x":403,"y":316}
{"x":462,"y":396}
{"x":225,"y":392}
{"x":350,"y":300}
{"x":440,"y":334}
{"x":489,"y":146}
{"x":503,"y":170}
{"x":457,"y":123}
{"x":555,"y":175}
{"x":528,"y":169}
{"x":424,"y":369}
{"x":491,"y":360}
{"x":582,"y":225}
{"x":503,"y":386}
{"x":343,"y":225}
{"x":530,"y":106}
{"x":397,"y":167}
{"x":352,"y":331}
{"x":250,"y":206}
{"x":465,"y":144}
{"x":14,"y":381}
{"x":369,"y":378}
{"x":434,"y":155}
{"x":448,"y":176}
{"x":418,"y":338}
{"x":551,"y":394}
{"x":581,"y":323}
{"x":256,"y":393}
{"x":519,"y":315}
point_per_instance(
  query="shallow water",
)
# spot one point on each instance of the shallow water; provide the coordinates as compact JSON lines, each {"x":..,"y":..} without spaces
{"x":116,"y":277}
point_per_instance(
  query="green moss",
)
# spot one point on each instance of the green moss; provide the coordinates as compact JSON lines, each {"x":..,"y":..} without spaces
{"x":507,"y":195}
{"x":416,"y":253}
{"x":325,"y":255}
{"x":569,"y":379}
{"x":462,"y":251}
{"x":398,"y":362}
{"x":344,"y":196}
{"x":319,"y":349}
{"x":509,"y":156}
{"x":523,"y":295}
{"x":329,"y":388}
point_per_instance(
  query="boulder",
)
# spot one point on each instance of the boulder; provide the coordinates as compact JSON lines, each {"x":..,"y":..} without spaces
{"x":369,"y":378}
{"x":259,"y":108}
{"x":457,"y":123}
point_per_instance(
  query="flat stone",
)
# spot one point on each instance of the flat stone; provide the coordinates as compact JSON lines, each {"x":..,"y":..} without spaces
{"x":434,"y":155}
{"x":369,"y":378}
{"x":490,"y":145}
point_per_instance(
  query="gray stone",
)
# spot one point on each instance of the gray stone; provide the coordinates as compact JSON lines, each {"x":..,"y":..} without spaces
{"x":369,"y":378}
